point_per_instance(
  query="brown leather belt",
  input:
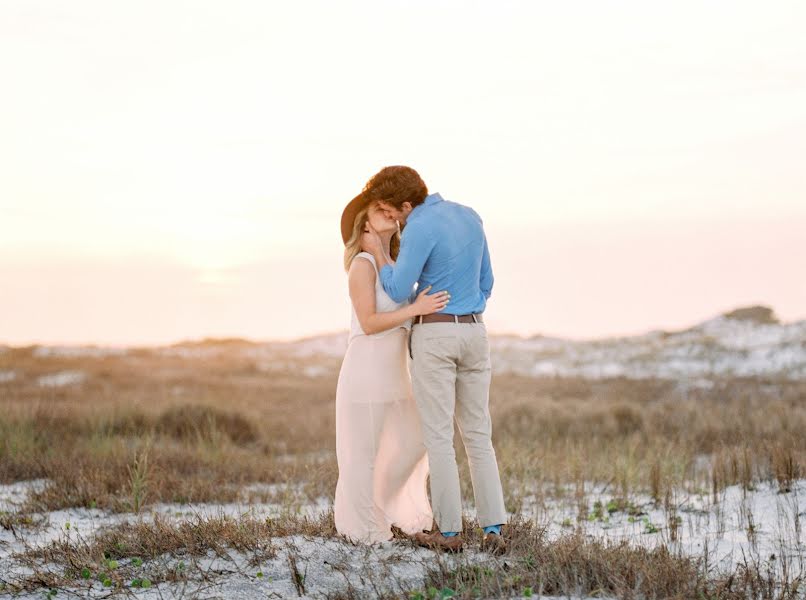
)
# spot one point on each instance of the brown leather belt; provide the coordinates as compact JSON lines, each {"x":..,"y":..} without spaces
{"x":445,"y":318}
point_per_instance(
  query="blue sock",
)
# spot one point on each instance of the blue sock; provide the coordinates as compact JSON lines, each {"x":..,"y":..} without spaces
{"x":450,"y":533}
{"x":493,"y":529}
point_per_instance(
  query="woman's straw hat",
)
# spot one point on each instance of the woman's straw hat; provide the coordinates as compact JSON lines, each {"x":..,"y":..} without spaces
{"x":350,"y":212}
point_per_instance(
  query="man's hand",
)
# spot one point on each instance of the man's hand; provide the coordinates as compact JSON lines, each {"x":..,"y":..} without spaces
{"x":371,"y":241}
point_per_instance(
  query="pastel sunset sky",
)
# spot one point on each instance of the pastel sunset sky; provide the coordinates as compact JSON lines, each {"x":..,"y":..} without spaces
{"x":176,"y":170}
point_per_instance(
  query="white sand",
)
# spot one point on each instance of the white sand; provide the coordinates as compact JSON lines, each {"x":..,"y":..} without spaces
{"x":716,"y":531}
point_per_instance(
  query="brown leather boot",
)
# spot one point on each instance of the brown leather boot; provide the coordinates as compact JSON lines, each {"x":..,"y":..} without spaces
{"x":435,"y":540}
{"x":494,"y":543}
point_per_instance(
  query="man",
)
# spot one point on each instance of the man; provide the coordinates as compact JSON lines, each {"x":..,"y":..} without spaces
{"x":443,"y":245}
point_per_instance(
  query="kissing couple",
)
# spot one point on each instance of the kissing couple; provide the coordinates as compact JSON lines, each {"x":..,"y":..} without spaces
{"x":417,"y":359}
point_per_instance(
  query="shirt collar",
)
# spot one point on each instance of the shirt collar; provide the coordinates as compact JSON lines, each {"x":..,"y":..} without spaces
{"x":433,"y":198}
{"x":429,"y":200}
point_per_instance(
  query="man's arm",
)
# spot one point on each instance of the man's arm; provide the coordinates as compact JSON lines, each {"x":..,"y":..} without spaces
{"x":486,"y":278}
{"x":398,"y":280}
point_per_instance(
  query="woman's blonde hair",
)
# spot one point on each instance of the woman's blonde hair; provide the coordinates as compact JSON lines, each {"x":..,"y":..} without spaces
{"x":353,"y":246}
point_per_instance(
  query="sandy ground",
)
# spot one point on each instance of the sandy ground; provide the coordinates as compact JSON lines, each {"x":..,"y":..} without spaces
{"x":759,"y":525}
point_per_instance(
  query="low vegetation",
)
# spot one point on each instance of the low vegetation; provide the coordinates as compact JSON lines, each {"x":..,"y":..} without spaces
{"x":149,"y":426}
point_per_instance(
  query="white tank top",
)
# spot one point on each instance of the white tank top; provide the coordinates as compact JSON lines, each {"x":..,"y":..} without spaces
{"x":383,"y":303}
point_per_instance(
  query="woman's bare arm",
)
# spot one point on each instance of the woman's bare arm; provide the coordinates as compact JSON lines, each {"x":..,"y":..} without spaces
{"x":361,"y":279}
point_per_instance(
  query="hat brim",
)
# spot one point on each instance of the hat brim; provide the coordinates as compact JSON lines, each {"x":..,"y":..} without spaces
{"x":349,"y":214}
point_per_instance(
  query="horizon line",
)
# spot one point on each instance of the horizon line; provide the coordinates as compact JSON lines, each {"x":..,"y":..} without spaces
{"x":214,"y":339}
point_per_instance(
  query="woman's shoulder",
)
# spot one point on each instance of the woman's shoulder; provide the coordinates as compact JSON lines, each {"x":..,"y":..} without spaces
{"x":366,"y":255}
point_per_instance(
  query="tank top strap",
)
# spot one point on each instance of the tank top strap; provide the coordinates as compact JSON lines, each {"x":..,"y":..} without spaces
{"x":370,"y":258}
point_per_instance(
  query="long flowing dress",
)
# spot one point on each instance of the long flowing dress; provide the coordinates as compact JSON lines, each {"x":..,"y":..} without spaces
{"x":382,"y":460}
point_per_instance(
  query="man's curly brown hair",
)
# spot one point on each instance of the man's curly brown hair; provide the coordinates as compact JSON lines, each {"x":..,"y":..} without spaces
{"x":395,"y":185}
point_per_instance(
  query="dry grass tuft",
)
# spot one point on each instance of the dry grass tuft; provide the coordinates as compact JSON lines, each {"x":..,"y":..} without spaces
{"x":576,"y":566}
{"x":118,"y":553}
{"x":191,"y":422}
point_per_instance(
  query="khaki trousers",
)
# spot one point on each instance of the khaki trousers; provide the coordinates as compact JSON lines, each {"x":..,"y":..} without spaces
{"x":450,"y":372}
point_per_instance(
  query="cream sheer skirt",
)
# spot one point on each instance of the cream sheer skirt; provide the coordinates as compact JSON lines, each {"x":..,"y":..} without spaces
{"x":382,"y":460}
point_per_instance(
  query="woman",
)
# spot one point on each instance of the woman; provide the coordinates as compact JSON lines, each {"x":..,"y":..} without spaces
{"x":382,"y":461}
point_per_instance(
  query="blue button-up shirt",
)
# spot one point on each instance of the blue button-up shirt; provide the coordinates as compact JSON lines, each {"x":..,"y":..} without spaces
{"x":442,"y":245}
